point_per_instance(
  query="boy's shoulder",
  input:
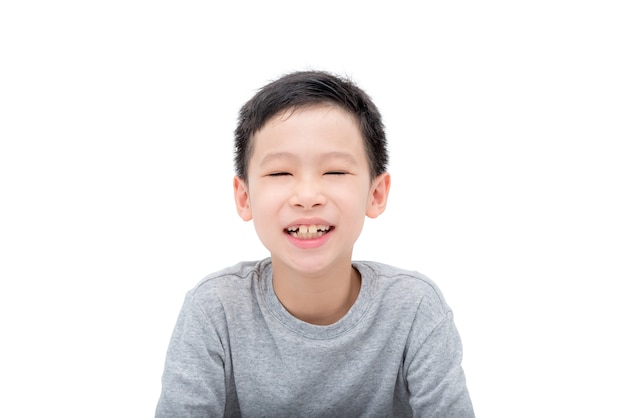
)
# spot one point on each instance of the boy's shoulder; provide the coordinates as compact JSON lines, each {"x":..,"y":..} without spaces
{"x":386,"y":272}
{"x":242,"y":269}
{"x":233,"y":277}
{"x":401,"y":283}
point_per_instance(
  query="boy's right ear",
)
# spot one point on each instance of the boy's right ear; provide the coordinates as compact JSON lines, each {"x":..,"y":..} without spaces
{"x":242,"y":198}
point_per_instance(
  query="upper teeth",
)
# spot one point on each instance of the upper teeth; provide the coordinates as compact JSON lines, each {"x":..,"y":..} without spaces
{"x":307,"y":231}
{"x":308,"y":228}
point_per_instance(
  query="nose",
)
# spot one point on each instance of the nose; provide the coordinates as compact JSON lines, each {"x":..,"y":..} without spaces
{"x":307,"y":193}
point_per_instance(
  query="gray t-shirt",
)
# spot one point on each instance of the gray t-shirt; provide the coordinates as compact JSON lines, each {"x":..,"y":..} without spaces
{"x":236,"y":351}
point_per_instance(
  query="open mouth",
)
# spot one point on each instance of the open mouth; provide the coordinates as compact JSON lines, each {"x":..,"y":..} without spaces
{"x":308,"y":231}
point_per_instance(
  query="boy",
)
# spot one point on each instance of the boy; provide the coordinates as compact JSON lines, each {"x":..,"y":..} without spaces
{"x":309,"y":332}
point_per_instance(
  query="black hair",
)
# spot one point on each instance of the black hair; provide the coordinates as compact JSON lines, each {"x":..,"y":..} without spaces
{"x":303,"y":89}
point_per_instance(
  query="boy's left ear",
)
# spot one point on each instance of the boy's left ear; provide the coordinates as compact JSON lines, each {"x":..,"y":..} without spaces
{"x":378,"y":195}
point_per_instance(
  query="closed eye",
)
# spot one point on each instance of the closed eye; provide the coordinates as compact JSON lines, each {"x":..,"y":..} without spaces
{"x":278,"y":174}
{"x":336,"y":172}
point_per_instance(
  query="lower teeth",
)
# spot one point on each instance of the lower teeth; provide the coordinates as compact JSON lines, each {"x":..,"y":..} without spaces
{"x":307,"y":235}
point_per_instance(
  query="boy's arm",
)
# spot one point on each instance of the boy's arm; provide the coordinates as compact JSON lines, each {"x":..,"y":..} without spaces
{"x":435,"y":377}
{"x":193,"y":383}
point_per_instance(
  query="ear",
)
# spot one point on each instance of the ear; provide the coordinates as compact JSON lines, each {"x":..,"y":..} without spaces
{"x":378,"y":195}
{"x":242,"y":198}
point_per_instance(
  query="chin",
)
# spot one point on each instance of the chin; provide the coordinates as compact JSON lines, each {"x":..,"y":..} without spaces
{"x":310,"y":263}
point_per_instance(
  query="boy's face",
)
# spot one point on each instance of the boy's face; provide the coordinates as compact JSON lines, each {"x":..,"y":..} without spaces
{"x":309,"y":188}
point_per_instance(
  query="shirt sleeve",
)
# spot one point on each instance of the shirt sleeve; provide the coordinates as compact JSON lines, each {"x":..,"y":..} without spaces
{"x":435,"y":378}
{"x":193,"y":382}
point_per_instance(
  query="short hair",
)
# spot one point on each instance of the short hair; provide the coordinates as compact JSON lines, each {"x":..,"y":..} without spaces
{"x":303,"y":89}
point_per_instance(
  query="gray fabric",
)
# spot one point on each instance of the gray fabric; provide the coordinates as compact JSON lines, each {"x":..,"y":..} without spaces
{"x":236,"y":351}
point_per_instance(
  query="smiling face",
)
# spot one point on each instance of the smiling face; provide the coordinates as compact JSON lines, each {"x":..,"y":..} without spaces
{"x":309,"y":188}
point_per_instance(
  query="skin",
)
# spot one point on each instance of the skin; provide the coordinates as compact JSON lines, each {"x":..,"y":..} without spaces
{"x":309,"y":167}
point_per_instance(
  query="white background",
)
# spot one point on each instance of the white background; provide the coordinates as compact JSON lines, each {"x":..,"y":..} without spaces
{"x":506,"y":123}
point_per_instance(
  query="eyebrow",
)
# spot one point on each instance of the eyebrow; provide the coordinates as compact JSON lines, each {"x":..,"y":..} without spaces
{"x":334,"y":155}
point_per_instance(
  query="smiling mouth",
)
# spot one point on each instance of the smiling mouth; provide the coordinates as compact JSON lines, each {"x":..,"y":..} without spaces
{"x":308,"y":231}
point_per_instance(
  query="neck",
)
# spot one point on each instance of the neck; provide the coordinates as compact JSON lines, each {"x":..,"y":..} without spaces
{"x":320,"y":300}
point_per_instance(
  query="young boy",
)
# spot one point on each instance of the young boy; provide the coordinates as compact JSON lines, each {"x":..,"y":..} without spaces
{"x":308,"y":331}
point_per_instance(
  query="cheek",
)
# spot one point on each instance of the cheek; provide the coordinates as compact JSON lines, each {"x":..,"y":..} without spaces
{"x":353,"y":198}
{"x":265,"y":201}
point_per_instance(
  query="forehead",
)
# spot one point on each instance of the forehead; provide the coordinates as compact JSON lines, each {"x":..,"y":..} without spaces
{"x":323,"y":126}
